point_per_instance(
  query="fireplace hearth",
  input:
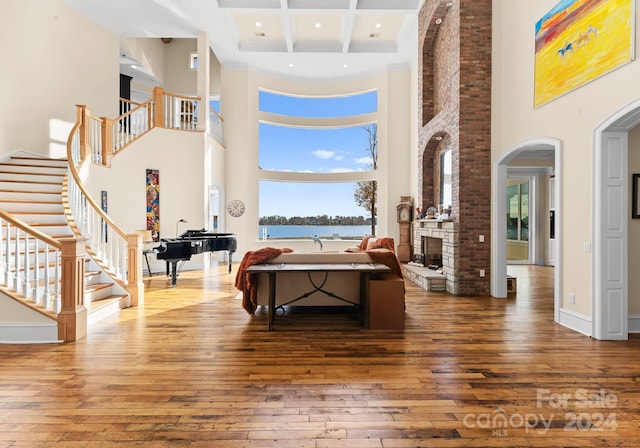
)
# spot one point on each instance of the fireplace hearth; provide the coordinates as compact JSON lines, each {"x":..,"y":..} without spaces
{"x":436,"y":242}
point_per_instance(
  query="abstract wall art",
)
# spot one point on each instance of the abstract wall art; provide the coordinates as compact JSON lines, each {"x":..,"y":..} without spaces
{"x":153,"y":203}
{"x":578,"y":41}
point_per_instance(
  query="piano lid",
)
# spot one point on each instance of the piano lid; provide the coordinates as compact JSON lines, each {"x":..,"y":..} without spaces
{"x":203,"y":233}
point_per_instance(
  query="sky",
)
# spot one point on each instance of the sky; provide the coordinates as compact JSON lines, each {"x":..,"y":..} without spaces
{"x":326,"y":150}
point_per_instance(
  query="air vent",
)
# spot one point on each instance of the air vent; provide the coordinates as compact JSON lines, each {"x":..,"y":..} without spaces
{"x":374,"y":35}
{"x":260,"y":34}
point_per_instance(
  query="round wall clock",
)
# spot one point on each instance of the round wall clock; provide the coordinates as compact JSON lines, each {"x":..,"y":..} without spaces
{"x":235,"y":208}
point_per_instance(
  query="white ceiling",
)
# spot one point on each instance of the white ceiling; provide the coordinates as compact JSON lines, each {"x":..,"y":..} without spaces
{"x":317,"y":39}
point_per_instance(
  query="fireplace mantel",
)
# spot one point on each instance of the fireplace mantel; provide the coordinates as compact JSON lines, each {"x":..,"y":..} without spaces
{"x":447,"y":231}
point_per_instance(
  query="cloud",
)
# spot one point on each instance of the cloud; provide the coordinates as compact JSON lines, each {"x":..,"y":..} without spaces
{"x":324,"y":154}
{"x":338,"y":158}
{"x":363,"y":161}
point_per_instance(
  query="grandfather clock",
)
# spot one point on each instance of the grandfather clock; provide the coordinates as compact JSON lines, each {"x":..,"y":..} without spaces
{"x":405,"y":209}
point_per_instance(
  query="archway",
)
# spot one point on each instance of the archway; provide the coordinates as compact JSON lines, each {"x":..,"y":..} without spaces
{"x":610,"y":269}
{"x":499,"y":225}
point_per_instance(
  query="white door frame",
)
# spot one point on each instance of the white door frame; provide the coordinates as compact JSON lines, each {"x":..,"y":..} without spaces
{"x":499,"y":224}
{"x":610,"y":262}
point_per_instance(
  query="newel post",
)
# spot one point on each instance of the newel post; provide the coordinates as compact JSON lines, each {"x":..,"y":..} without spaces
{"x":82,"y":112}
{"x":107,"y":141}
{"x":158,"y":100}
{"x":72,"y":319}
{"x":134,"y":256}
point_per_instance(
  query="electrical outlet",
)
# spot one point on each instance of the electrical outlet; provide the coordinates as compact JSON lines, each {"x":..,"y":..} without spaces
{"x":481,"y":238}
{"x":481,"y":272}
{"x":572,"y":298}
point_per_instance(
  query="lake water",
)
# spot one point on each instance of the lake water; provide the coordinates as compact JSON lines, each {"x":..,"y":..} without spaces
{"x":325,"y":232}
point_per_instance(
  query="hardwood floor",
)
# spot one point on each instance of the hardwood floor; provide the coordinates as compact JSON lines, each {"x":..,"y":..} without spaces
{"x":191,"y":369}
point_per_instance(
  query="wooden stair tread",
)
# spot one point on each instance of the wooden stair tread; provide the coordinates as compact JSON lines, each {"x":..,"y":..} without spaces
{"x":97,"y":287}
{"x":40,"y":159}
{"x":24,"y":201}
{"x":29,"y":182}
{"x":13,"y":190}
{"x":31,"y":174}
{"x":37,"y":212}
{"x":97,"y":305}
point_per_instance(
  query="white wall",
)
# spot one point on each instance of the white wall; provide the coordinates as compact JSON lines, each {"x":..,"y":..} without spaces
{"x":52,"y":58}
{"x":15,"y":312}
{"x":570,"y":118}
{"x":150,"y":53}
{"x":178,"y":156}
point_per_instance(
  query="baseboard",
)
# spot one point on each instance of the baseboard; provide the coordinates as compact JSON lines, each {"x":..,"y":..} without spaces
{"x":634,"y":323}
{"x":29,"y":333}
{"x":575,"y":321}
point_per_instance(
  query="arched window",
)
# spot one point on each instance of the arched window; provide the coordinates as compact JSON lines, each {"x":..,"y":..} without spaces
{"x":314,"y":154}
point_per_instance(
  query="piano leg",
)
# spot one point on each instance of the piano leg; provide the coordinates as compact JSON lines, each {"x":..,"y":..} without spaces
{"x":174,"y":272}
{"x":230,"y":256}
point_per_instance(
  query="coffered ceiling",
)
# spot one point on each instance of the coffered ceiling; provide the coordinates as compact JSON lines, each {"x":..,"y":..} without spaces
{"x":301,"y":38}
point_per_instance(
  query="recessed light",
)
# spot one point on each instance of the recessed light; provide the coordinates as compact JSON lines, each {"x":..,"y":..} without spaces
{"x":449,"y":4}
{"x":290,"y":65}
{"x":318,"y":25}
{"x":438,"y":21}
{"x":378,"y":25}
{"x":258,"y":24}
{"x":345,"y":66}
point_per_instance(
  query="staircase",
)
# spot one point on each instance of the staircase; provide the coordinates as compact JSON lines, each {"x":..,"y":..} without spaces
{"x":31,"y":190}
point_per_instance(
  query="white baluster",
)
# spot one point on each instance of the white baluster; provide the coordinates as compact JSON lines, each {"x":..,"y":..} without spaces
{"x":57,"y":299}
{"x":3,"y":264}
{"x":46,"y":293}
{"x":16,"y":262}
{"x":36,"y":272}
{"x":7,"y":257}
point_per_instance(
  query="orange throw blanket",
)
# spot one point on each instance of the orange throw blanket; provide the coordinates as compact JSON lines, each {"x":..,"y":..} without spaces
{"x":387,"y":257}
{"x":244,"y":280}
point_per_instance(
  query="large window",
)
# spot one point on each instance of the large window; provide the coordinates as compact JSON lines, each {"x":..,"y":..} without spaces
{"x":318,"y":107}
{"x":308,"y":209}
{"x":314,"y":150}
{"x":338,"y":137}
{"x":446,"y":171}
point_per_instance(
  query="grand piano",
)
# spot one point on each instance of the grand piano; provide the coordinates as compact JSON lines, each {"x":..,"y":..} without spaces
{"x":193,"y":242}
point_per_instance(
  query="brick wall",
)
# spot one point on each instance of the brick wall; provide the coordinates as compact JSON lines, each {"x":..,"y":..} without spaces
{"x":455,"y":112}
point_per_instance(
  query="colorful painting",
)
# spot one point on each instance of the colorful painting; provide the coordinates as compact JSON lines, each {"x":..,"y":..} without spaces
{"x":153,"y":203}
{"x":578,"y":41}
{"x":103,"y":206}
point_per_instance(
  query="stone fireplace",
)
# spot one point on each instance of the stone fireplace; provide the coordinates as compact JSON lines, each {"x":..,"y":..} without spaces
{"x":433,"y":239}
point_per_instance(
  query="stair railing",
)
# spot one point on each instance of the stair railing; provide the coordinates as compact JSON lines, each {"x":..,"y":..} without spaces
{"x":215,"y":123}
{"x":32,"y":266}
{"x":97,"y":140}
{"x":27,"y":257}
{"x":119,"y":254}
{"x":106,"y":137}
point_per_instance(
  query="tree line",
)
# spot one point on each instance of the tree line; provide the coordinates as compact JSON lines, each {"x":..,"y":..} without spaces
{"x":320,"y":220}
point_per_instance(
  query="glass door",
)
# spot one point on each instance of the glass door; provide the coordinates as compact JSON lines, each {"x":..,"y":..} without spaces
{"x":518,"y":220}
